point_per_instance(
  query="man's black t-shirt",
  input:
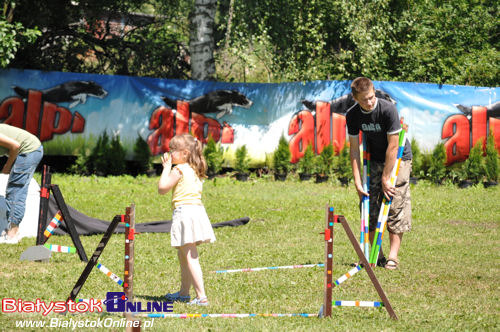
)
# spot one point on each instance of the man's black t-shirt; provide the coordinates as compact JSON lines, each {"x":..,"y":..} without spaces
{"x":376,"y":125}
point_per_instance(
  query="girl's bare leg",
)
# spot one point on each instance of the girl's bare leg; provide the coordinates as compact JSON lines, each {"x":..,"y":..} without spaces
{"x":185,"y":274}
{"x":190,"y":254}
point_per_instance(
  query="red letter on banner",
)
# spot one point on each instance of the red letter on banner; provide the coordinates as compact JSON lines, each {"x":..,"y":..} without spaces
{"x":182,"y":118}
{"x":479,"y":124}
{"x":227,"y":134}
{"x":456,"y":128}
{"x":495,"y":129}
{"x":198,"y":122}
{"x":338,"y":128}
{"x":322,"y":125}
{"x":302,"y":128}
{"x":12,"y":110}
{"x":33,"y":112}
{"x":162,"y":120}
{"x":49,"y":127}
{"x":78,"y":123}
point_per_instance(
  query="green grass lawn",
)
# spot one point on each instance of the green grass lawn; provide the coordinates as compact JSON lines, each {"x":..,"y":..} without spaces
{"x":447,"y":280}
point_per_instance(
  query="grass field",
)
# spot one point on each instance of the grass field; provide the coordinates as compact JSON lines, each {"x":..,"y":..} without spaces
{"x":447,"y":280}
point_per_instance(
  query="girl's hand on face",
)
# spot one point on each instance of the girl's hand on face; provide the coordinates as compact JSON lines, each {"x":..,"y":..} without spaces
{"x":166,"y":160}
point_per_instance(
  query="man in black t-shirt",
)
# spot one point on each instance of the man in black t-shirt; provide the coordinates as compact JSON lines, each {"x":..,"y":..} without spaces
{"x":378,"y":120}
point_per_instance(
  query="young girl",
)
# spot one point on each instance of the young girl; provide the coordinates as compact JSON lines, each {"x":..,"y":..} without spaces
{"x":190,"y":224}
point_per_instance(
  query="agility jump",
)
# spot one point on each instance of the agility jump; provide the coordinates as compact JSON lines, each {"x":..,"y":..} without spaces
{"x":43,"y":252}
{"x":326,"y":309}
{"x":329,"y":284}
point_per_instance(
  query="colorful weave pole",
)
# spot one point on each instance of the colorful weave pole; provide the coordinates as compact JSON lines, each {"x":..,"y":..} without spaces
{"x":58,"y":248}
{"x":54,"y":223}
{"x":110,"y":274}
{"x":365,"y":202}
{"x":269,"y":268}
{"x":386,"y":204}
{"x":357,"y":304}
{"x":173,"y":315}
{"x":348,"y":275}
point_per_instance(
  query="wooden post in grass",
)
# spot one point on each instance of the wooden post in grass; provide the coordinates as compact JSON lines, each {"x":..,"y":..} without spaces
{"x":44,"y":204}
{"x":128,"y":278}
{"x":327,"y":303}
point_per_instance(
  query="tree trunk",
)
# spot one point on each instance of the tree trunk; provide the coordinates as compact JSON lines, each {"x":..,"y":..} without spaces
{"x":201,"y":43}
{"x":229,"y":22}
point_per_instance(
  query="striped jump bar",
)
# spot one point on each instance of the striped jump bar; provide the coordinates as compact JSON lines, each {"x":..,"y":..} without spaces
{"x":348,"y":275}
{"x":358,"y":303}
{"x":90,"y":300}
{"x":269,"y":268}
{"x":110,"y":274}
{"x":173,"y":315}
{"x":54,"y":223}
{"x":58,"y":248}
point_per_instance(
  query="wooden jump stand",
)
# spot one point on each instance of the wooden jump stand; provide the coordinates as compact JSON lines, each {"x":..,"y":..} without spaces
{"x":38,"y":252}
{"x":45,"y":190}
{"x":331,"y":219}
{"x":129,"y":219}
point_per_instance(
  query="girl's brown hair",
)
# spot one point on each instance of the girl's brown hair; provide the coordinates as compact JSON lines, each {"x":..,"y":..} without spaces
{"x":194,"y":147}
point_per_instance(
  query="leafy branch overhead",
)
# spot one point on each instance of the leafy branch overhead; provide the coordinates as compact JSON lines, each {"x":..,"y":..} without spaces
{"x":259,"y":41}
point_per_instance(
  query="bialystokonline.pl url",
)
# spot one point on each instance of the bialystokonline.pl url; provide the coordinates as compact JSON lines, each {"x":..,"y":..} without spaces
{"x":58,"y":322}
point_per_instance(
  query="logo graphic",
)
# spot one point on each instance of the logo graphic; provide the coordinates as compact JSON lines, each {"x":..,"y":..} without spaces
{"x":115,"y":301}
{"x":118,"y":302}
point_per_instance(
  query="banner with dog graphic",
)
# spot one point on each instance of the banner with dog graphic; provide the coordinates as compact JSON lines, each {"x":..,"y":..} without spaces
{"x":69,"y":111}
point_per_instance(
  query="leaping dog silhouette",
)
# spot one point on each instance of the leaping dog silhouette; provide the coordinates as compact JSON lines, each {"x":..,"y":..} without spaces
{"x":218,"y":101}
{"x":75,"y":92}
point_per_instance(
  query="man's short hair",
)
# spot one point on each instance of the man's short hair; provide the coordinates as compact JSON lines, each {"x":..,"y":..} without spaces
{"x":361,"y":84}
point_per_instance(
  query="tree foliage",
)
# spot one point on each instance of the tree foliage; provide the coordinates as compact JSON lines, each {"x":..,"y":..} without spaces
{"x":214,"y":156}
{"x":440,"y":41}
{"x":491,"y":162}
{"x":324,"y":161}
{"x":106,"y":37}
{"x":437,"y":168}
{"x":242,"y":162}
{"x":142,"y":155}
{"x":13,"y":35}
{"x":473,"y":166}
{"x":281,"y":157}
{"x":343,"y":167}
{"x":306,"y":163}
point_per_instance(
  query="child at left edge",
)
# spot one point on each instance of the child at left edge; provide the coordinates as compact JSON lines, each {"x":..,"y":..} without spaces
{"x":190,"y":224}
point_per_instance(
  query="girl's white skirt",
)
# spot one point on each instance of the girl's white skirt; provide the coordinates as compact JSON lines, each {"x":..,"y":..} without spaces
{"x":190,"y":224}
